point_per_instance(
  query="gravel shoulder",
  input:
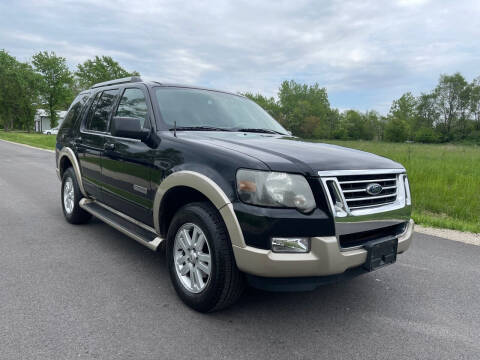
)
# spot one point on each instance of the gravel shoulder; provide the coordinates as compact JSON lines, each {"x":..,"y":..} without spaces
{"x":460,"y":236}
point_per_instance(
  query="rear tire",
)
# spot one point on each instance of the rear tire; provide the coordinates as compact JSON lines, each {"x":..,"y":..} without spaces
{"x":70,"y":198}
{"x":198,"y":245}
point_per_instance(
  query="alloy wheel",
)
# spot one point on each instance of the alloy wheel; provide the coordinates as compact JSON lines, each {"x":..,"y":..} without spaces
{"x":68,"y":195}
{"x":192,"y":258}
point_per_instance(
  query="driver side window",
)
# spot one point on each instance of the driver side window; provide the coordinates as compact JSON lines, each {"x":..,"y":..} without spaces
{"x":133,"y":104}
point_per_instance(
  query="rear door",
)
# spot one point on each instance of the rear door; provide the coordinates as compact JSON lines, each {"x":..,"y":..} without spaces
{"x":127,"y":162}
{"x":91,"y":140}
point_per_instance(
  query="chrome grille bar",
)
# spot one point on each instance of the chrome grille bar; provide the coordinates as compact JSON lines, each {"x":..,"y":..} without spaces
{"x":365,"y":190}
{"x":365,"y":181}
{"x":352,"y":188}
{"x":373,"y":206}
{"x":372,"y":197}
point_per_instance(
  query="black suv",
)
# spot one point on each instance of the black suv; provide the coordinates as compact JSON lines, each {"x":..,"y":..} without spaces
{"x":233,"y":196}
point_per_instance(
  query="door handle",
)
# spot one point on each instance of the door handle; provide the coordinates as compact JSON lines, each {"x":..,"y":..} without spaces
{"x":109,"y":146}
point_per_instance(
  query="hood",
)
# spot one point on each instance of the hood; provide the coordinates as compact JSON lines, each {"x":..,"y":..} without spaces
{"x":289,"y":154}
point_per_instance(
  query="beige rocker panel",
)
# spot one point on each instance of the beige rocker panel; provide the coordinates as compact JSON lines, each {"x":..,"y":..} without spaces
{"x":66,"y":151}
{"x":208,"y":188}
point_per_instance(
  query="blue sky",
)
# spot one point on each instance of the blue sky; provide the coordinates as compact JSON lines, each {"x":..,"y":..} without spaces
{"x":366,"y":53}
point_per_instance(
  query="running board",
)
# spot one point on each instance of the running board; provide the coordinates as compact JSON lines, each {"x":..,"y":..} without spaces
{"x":138,"y":231}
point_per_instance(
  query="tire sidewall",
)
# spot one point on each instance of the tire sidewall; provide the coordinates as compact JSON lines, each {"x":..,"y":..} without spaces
{"x":212,"y":292}
{"x":69,"y":173}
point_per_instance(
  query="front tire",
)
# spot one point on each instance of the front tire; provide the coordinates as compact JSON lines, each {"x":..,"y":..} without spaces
{"x":200,"y":259}
{"x":71,"y":196}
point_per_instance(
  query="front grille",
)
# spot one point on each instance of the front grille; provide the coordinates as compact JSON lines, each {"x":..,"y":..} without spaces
{"x":360,"y":238}
{"x":354,"y":189}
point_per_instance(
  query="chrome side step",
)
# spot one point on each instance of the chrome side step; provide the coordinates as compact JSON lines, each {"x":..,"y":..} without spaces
{"x":138,"y":231}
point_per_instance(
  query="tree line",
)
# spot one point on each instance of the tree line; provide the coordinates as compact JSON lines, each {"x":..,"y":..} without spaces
{"x":450,"y":112}
{"x":47,"y":83}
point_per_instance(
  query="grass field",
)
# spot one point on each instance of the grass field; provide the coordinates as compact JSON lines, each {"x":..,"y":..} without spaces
{"x":33,"y":139}
{"x":444,"y":179}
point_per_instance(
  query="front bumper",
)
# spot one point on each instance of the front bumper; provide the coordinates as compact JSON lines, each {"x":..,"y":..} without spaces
{"x":325,"y":258}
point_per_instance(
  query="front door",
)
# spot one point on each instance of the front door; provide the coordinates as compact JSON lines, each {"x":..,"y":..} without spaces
{"x":127,"y":162}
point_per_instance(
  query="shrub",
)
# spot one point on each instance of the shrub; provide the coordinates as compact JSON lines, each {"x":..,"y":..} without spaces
{"x":396,"y":130}
{"x":427,"y":135}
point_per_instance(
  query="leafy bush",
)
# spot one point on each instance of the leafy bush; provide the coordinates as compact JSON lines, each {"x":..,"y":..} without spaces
{"x":396,"y":130}
{"x":427,"y":135}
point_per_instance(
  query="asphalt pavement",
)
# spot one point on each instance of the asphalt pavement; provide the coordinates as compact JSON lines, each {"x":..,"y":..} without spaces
{"x":89,"y":292}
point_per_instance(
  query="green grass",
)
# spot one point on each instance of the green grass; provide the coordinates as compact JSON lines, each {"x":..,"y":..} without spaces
{"x":32,"y":139}
{"x":444,"y":180}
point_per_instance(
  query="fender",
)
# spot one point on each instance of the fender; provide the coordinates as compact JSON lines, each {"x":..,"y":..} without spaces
{"x":211,"y":191}
{"x":66,"y":151}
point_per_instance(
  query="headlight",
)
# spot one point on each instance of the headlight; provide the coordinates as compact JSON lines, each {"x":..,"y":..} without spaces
{"x":275,"y":189}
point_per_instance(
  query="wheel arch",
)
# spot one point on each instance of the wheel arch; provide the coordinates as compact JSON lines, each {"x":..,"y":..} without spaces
{"x":203,"y":187}
{"x":66,"y":158}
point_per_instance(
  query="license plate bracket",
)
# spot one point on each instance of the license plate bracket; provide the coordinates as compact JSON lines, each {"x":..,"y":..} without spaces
{"x":380,"y":252}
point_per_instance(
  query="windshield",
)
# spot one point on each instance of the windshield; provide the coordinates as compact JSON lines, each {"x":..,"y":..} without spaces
{"x":192,"y":108}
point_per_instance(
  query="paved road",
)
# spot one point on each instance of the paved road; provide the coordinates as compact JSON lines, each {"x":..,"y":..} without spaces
{"x":88,"y":292}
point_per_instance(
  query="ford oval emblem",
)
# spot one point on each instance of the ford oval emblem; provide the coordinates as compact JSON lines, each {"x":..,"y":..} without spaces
{"x":374,"y":189}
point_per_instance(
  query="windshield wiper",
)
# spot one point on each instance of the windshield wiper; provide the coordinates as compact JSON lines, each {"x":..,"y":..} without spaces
{"x":199,"y":128}
{"x":258,"y":130}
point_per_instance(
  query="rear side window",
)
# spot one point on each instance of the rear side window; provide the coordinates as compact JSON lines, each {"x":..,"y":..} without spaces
{"x":133,"y":104}
{"x":99,"y":113}
{"x":74,"y":111}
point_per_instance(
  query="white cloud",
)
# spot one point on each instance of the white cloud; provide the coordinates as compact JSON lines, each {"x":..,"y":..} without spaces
{"x":412,"y":2}
{"x":365,"y":53}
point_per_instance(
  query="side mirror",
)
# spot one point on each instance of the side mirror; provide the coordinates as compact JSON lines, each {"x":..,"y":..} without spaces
{"x":128,"y":127}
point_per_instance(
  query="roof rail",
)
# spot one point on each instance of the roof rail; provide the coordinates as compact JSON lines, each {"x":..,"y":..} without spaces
{"x":118,"y":81}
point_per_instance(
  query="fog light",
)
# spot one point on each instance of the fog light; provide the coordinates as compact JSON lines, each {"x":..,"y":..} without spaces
{"x":291,"y":245}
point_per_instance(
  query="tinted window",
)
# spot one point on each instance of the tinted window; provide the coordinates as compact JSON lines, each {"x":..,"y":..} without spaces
{"x":91,"y":109}
{"x":195,"y":107}
{"x":133,"y":104}
{"x":74,"y":111}
{"x":100,"y":111}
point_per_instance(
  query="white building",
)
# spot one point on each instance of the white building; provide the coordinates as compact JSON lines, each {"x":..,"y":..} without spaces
{"x":42,"y":120}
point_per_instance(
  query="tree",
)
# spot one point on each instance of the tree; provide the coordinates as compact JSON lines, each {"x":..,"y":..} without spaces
{"x":450,"y":101}
{"x":375,"y":123}
{"x":404,"y":109}
{"x":426,"y":135}
{"x":270,"y":105}
{"x":357,"y":126}
{"x":333,"y":122}
{"x":99,"y":70}
{"x":474,"y":103}
{"x":27,"y":95}
{"x":299,"y":101}
{"x":396,"y":130}
{"x":55,"y":87}
{"x":18,"y":93}
{"x":314,"y":127}
{"x":7,"y":65}
{"x":426,"y":113}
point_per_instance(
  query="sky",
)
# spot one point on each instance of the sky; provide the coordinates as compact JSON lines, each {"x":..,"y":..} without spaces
{"x":366,"y":53}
